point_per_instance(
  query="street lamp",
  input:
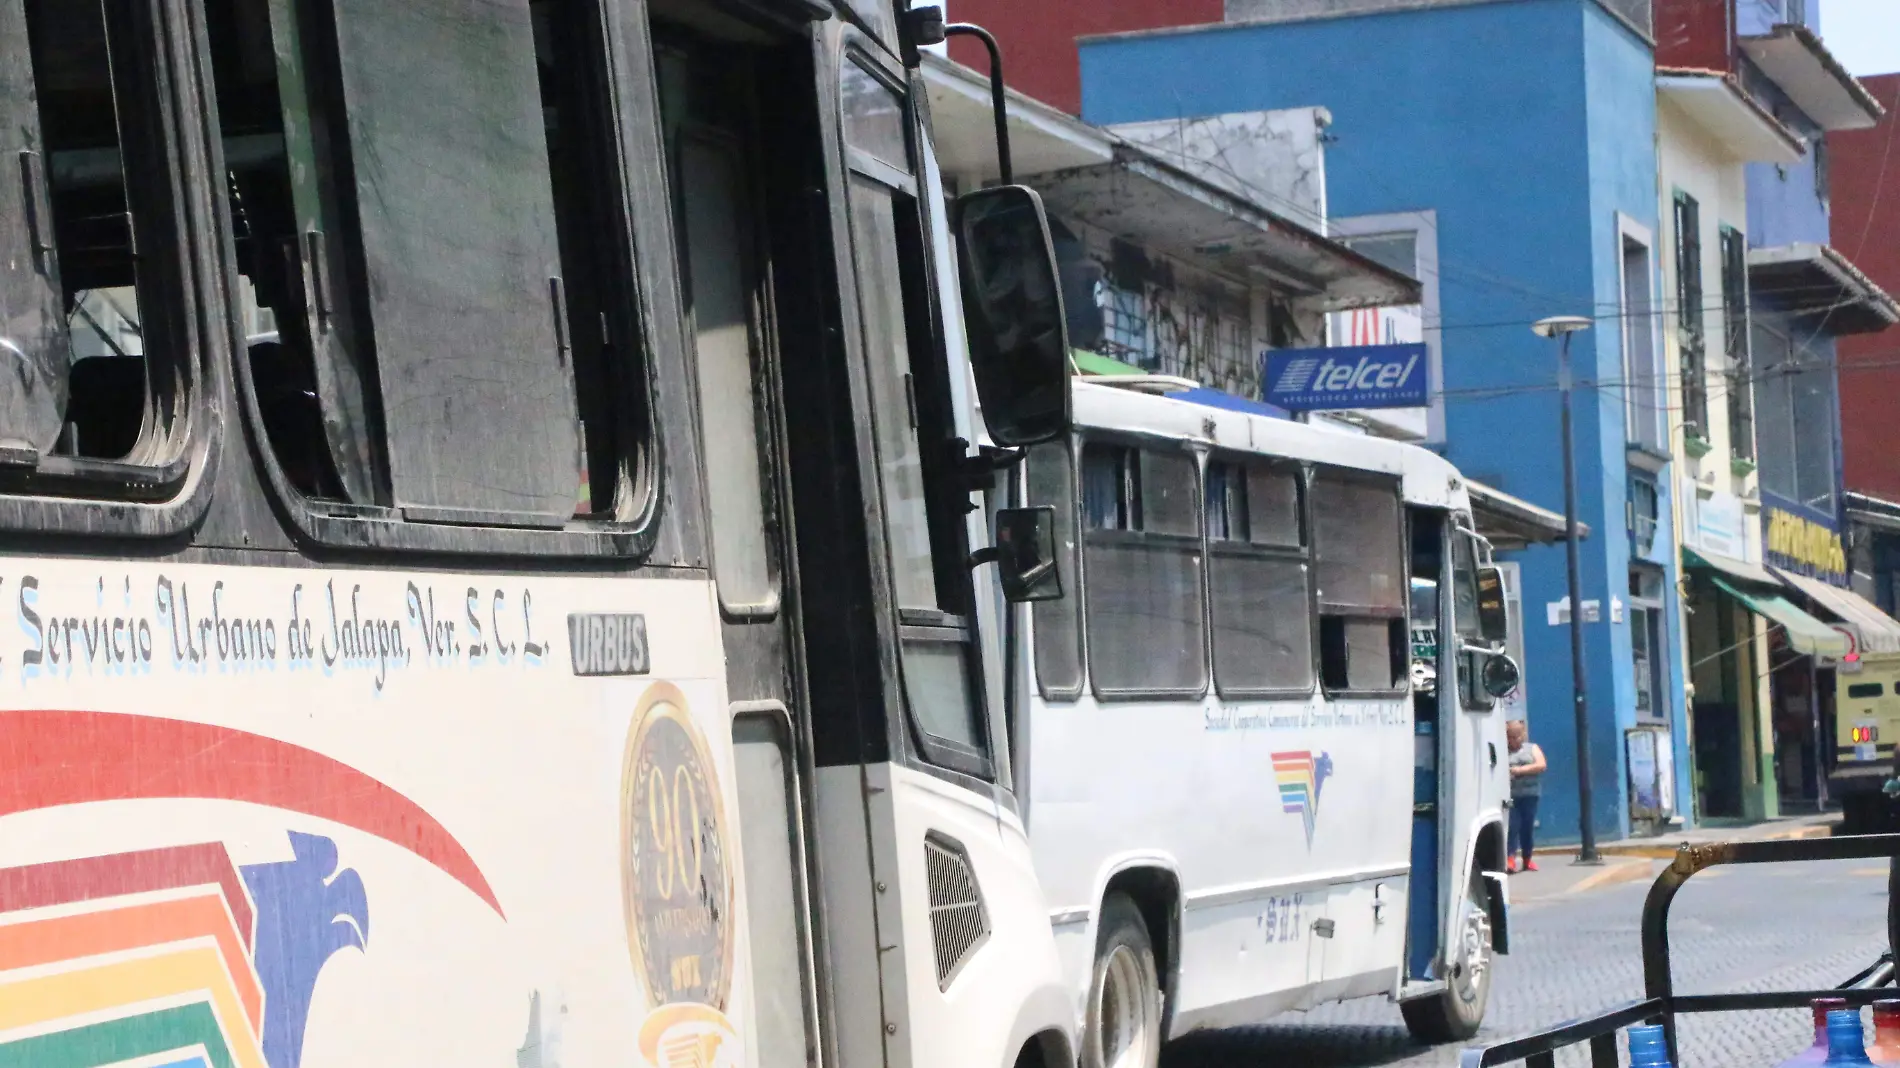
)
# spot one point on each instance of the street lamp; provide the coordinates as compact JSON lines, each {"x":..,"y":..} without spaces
{"x":1561,"y":327}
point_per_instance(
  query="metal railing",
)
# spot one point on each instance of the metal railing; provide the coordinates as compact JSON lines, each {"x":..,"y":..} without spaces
{"x":1661,"y":1004}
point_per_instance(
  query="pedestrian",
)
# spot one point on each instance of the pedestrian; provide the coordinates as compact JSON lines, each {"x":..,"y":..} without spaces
{"x":1527,"y":785}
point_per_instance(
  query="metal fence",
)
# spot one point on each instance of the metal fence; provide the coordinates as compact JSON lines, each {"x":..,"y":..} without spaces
{"x":1661,"y":1004}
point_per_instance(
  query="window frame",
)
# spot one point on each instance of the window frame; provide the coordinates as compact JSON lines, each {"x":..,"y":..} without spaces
{"x":1073,"y":595}
{"x":1251,"y":550}
{"x":641,"y":243}
{"x":116,"y":498}
{"x":1691,"y":325}
{"x":1138,"y":442}
{"x":913,"y":623}
{"x":1402,"y":684}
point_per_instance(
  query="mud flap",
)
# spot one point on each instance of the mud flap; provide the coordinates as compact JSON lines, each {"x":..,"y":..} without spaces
{"x":1497,"y":892}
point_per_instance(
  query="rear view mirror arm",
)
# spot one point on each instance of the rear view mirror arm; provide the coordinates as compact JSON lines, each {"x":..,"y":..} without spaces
{"x":999,"y":100}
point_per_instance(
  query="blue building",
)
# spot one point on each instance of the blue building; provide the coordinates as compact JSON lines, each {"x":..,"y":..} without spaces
{"x":1514,"y":140}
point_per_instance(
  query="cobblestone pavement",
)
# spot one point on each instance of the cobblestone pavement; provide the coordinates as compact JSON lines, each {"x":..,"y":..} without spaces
{"x":1758,"y":928}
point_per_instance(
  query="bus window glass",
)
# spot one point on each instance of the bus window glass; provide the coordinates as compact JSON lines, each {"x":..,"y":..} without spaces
{"x":424,"y":207}
{"x":1358,"y":545}
{"x":92,"y":332}
{"x":1057,"y":623}
{"x":1464,"y":587}
{"x":1260,"y":590}
{"x":715,"y":250}
{"x":874,"y":119}
{"x":1143,"y":583}
{"x":1865,"y":689}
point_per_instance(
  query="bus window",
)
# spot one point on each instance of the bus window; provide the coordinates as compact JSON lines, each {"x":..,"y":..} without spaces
{"x":1866,"y":689}
{"x":1260,"y":582}
{"x":913,"y":428}
{"x":1464,"y":588}
{"x":92,"y":297}
{"x":1058,"y":623}
{"x":1360,"y":566}
{"x":1142,"y":554}
{"x":423,"y":199}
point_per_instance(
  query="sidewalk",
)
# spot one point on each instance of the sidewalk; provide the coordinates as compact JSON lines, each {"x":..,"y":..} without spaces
{"x":1637,"y":859}
{"x":1663,"y":846}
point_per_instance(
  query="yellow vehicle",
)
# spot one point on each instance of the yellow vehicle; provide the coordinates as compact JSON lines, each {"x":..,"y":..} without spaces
{"x":1866,"y":725}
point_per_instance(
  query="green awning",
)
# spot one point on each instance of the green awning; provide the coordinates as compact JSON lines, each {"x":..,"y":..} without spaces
{"x":1806,"y":634}
{"x":1093,"y":363}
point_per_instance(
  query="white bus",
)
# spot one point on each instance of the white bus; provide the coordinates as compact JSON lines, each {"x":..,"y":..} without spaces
{"x":485,"y":501}
{"x":1247,"y":794}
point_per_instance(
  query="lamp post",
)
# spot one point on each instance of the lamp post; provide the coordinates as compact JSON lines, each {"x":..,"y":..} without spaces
{"x":1561,"y":327}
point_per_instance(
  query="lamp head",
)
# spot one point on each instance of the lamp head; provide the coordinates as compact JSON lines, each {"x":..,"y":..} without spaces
{"x":1559,"y":325}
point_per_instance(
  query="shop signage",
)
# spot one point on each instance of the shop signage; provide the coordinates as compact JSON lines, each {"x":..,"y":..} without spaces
{"x":1799,"y":544}
{"x":1360,"y":376}
{"x":1719,"y":526}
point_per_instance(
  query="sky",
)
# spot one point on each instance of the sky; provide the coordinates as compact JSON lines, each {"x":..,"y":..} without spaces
{"x":1863,"y":34}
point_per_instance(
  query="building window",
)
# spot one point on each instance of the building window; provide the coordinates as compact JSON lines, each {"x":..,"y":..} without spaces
{"x":1647,"y":391}
{"x":1646,"y":643}
{"x":1690,"y":335}
{"x":1124,"y":324}
{"x":1794,"y":412}
{"x":1645,"y":507}
{"x":1741,"y":406}
{"x":1398,"y":252}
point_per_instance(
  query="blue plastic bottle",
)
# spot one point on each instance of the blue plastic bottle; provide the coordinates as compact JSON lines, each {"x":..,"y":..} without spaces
{"x":1648,"y":1047}
{"x":1846,"y":1042}
{"x":1817,"y":1053}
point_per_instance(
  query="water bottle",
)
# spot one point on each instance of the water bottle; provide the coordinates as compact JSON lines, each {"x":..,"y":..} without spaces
{"x":1815,"y":1054}
{"x":1885,"y":1051}
{"x":1845,"y":1040}
{"x":1648,"y":1047}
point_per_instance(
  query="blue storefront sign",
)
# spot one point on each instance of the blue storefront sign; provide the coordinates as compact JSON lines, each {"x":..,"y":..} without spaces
{"x":1362,"y":376}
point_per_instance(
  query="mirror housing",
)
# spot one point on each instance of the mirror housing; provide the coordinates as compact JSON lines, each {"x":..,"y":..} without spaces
{"x":1013,"y":314}
{"x":1500,"y":676}
{"x":1025,"y":554}
{"x":1494,"y":621}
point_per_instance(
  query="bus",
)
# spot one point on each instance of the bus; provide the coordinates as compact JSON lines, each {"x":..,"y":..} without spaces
{"x":488,"y":495}
{"x":1866,"y":723}
{"x":1246,"y":791}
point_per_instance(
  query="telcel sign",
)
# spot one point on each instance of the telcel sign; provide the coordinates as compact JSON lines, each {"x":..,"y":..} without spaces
{"x":1364,"y":376}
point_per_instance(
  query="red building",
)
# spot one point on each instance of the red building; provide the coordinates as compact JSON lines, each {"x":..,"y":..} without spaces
{"x":1038,"y":36}
{"x":1866,"y":227}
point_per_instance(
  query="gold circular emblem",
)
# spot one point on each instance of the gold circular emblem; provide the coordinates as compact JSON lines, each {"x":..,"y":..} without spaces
{"x":675,"y":877}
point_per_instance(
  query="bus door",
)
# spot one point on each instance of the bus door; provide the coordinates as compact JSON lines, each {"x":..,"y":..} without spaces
{"x":722,"y":201}
{"x":1423,"y":893}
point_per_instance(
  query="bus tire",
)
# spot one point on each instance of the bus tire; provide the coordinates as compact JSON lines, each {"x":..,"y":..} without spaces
{"x":1124,"y":1005}
{"x":1454,"y":1013}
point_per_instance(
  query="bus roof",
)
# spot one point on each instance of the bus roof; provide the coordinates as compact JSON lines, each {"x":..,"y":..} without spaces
{"x":1428,"y":479}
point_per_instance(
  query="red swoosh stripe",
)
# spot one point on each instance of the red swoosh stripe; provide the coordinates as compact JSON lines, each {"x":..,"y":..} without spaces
{"x":70,"y":758}
{"x":91,"y":878}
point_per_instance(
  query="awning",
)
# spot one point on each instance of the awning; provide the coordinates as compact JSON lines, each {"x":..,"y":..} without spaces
{"x":1816,"y":280}
{"x":1736,"y":570}
{"x":1802,"y":66}
{"x":1873,"y":631}
{"x":1806,"y":634}
{"x":1502,"y":517}
{"x":1716,"y":101}
{"x":1152,"y":203}
{"x":1041,"y":138}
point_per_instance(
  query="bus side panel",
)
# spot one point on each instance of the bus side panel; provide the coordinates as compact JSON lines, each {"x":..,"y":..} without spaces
{"x":366,"y":818}
{"x":1866,"y":725}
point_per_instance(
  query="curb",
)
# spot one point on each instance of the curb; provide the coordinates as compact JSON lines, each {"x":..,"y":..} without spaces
{"x":1656,"y":849}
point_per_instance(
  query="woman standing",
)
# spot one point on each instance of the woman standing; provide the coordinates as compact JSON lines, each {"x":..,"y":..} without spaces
{"x":1527,"y":786}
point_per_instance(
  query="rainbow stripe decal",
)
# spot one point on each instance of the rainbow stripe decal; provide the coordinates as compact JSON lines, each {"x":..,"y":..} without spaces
{"x":1301,"y":775}
{"x":178,"y":957}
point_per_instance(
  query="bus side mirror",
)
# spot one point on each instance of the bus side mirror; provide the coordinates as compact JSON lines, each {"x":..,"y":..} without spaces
{"x":1012,"y":311}
{"x":1499,"y":676}
{"x":1025,"y":554}
{"x":1493,"y":619}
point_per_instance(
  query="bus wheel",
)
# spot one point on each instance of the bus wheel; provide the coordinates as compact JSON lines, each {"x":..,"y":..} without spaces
{"x":1454,"y":1013}
{"x":1124,"y":1023}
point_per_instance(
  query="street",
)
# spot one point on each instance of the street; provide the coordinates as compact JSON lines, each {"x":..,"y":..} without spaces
{"x":1575,"y":951}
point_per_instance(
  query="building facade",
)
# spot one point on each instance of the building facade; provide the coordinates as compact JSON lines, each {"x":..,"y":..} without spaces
{"x":1531,"y":173}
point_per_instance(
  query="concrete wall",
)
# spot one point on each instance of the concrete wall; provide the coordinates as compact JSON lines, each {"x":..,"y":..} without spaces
{"x":1527,"y":127}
